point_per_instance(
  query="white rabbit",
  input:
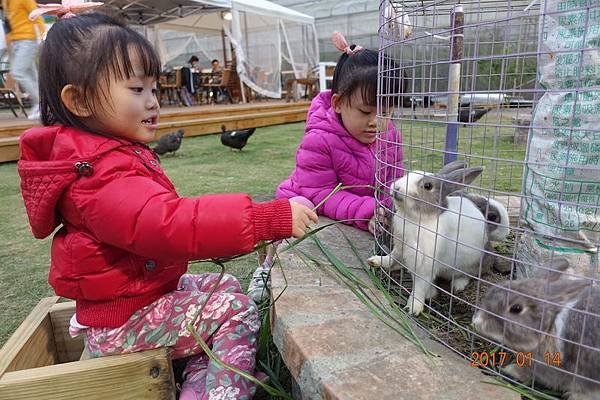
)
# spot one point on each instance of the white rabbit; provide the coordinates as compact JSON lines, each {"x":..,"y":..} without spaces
{"x":437,"y":235}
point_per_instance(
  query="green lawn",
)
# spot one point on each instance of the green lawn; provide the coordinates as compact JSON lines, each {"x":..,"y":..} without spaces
{"x":487,"y":146}
{"x":202,"y":166}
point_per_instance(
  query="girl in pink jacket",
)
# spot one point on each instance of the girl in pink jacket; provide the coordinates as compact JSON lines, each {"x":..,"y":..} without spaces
{"x":339,"y":146}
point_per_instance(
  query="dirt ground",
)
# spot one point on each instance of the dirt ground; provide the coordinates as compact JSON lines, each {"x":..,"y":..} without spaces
{"x":448,"y":316}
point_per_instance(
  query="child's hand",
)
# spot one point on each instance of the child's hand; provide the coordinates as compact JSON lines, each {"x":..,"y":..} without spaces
{"x":301,"y":216}
{"x":380,"y":217}
{"x":372,"y":224}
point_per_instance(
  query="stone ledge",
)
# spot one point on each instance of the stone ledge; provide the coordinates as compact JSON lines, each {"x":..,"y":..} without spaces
{"x":336,"y":349}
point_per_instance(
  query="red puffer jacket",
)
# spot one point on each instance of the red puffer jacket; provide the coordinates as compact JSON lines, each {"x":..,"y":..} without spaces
{"x":126,"y":234}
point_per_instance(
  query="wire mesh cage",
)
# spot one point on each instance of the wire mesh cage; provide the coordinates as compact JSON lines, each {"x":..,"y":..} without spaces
{"x":493,"y":228}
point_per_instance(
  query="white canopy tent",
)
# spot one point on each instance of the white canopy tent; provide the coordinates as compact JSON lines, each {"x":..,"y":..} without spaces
{"x":262,"y":34}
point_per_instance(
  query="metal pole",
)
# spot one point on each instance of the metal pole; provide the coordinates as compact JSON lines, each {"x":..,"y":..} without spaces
{"x":224,"y":48}
{"x":456,"y":49}
{"x":242,"y":90}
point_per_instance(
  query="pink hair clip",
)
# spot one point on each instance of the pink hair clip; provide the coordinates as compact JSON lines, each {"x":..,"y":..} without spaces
{"x":67,"y":9}
{"x":340,"y":43}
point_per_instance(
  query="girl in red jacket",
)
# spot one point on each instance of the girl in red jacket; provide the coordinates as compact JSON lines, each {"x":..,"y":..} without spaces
{"x":125,"y":236}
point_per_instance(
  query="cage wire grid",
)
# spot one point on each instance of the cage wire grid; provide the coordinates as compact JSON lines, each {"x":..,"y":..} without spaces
{"x":511,"y":87}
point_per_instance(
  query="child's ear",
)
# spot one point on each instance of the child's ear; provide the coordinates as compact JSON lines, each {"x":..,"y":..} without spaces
{"x":73,"y":100}
{"x":336,"y":102}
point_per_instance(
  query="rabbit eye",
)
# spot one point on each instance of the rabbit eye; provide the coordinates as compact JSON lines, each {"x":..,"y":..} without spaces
{"x":427,"y":186}
{"x":516,"y":309}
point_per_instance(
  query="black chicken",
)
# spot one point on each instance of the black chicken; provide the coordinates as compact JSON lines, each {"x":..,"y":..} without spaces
{"x":467,"y":114}
{"x":236,"y":139}
{"x":169,"y":143}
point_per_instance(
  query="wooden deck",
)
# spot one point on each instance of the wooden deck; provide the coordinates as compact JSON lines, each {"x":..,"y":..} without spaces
{"x":198,"y":120}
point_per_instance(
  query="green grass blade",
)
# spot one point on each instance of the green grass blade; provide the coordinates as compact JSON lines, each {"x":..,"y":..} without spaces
{"x":403,"y":320}
{"x":522,"y":391}
{"x":269,"y":389}
{"x":358,"y":288}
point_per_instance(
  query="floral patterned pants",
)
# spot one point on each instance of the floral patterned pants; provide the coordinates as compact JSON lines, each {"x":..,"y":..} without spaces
{"x":229,"y":324}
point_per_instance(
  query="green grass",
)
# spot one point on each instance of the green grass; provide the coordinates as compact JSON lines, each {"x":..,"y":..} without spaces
{"x":202,"y":166}
{"x":490,"y":147}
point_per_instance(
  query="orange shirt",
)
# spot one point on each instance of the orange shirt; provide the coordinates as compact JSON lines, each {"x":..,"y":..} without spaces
{"x":17,"y":12}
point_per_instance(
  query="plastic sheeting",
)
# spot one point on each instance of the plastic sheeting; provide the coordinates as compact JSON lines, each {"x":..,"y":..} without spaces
{"x":175,"y":45}
{"x":263,"y":34}
{"x":356,"y":19}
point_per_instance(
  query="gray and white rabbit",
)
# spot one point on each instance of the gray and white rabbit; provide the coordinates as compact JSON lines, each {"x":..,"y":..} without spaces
{"x":497,"y":227}
{"x":438,"y":235}
{"x":519,"y":315}
{"x":495,"y":214}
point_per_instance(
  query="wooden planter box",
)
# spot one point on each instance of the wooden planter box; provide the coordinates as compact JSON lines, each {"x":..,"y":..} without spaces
{"x":41,"y":361}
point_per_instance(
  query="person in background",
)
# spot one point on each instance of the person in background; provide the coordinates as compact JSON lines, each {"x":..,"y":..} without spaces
{"x":216,"y":67}
{"x":189,"y":80}
{"x":194,"y":63}
{"x":2,"y":34}
{"x":22,"y":40}
{"x":215,"y":78}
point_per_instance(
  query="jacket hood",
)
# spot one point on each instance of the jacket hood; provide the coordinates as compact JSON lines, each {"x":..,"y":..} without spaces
{"x":50,"y":161}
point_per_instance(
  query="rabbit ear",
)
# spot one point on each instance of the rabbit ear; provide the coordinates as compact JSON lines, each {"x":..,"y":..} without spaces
{"x":459,"y":178}
{"x":559,"y":264}
{"x":464,"y":175}
{"x":556,"y":268}
{"x":453,"y":166}
{"x":563,"y":290}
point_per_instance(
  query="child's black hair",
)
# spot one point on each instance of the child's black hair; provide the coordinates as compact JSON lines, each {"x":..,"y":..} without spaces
{"x":359,"y":72}
{"x":88,"y":51}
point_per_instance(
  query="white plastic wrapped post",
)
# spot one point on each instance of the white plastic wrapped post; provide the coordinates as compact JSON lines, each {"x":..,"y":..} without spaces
{"x":561,"y":183}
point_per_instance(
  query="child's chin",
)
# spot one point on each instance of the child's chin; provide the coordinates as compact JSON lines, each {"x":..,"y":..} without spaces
{"x":147,"y":137}
{"x":368,"y":140}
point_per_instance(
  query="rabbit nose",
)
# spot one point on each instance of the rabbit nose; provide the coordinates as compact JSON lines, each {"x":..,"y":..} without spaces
{"x":397,"y":195}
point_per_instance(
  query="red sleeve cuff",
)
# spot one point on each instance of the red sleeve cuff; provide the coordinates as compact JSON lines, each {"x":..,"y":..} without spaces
{"x":272,"y":220}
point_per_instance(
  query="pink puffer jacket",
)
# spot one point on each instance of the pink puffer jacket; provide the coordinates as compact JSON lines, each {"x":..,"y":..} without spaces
{"x":328,"y":155}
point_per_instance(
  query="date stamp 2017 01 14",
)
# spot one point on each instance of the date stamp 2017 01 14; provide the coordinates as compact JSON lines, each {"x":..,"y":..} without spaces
{"x":502,"y":358}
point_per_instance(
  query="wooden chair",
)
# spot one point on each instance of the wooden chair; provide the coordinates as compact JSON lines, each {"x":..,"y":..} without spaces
{"x":310,"y":87}
{"x":170,"y":85}
{"x":10,"y":94}
{"x":220,"y":86}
